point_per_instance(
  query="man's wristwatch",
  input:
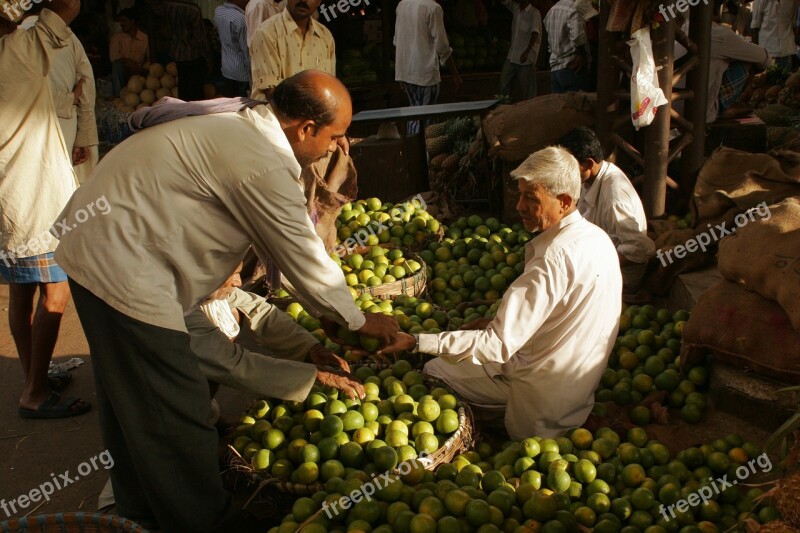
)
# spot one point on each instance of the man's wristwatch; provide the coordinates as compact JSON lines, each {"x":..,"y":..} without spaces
{"x":416,"y":343}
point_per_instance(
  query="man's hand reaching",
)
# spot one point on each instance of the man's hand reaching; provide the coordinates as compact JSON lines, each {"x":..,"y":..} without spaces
{"x":343,"y":382}
{"x":322,"y":357}
{"x":401,"y":343}
{"x":380,"y":326}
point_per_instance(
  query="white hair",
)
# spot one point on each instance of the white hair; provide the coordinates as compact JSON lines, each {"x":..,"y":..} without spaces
{"x":554,"y":169}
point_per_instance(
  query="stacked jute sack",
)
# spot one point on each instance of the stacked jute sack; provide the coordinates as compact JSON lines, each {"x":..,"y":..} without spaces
{"x":730,"y":184}
{"x":751,"y":319}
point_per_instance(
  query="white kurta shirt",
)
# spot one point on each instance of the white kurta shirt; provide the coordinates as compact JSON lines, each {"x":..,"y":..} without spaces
{"x":185,"y":200}
{"x":554,"y":330}
{"x":36,"y":177}
{"x":774,"y":19}
{"x":612,"y":203}
{"x":421,"y":42}
{"x":524,"y":24}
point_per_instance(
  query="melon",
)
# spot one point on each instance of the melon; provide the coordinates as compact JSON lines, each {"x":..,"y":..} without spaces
{"x":152,"y":83}
{"x":168,"y":81}
{"x":138,"y":107}
{"x":209,"y":91}
{"x":162,"y":92}
{"x":124,"y":92}
{"x":175,"y":92}
{"x":172,"y":69}
{"x":126,"y":109}
{"x":156,"y":70}
{"x":132,"y":100}
{"x":135,"y":84}
{"x":147,"y":96}
{"x":118,"y":103}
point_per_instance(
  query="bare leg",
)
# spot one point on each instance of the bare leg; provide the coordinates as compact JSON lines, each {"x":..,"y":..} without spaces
{"x":20,"y":320}
{"x":53,"y":299}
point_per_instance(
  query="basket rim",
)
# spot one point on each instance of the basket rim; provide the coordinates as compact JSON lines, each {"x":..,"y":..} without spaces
{"x":72,"y":518}
{"x":462,"y":439}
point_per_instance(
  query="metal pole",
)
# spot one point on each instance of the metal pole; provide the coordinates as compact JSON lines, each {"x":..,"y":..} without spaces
{"x":697,"y":81}
{"x":607,"y":80}
{"x":656,"y":153}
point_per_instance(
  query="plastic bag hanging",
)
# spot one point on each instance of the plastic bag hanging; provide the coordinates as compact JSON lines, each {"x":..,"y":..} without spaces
{"x":646,"y":95}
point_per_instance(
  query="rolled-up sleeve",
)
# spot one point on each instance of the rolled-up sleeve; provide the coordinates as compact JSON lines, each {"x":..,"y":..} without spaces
{"x":273,"y":328}
{"x":228,"y":363}
{"x":282,"y":230}
{"x":577,"y":29}
{"x":525,"y":306}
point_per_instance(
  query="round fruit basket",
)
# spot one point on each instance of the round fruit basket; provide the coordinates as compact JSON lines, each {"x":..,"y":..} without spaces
{"x":71,"y":523}
{"x":413,"y":285}
{"x":242,"y":469}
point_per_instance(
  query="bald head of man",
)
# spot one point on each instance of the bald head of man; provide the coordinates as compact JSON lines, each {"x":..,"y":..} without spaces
{"x":314,"y":110}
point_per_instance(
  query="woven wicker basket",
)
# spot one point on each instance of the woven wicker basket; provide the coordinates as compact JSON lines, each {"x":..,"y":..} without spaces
{"x":411,"y":286}
{"x":460,"y":441}
{"x":71,"y":523}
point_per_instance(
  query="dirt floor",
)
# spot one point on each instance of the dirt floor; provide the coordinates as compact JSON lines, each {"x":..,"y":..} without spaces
{"x":33,"y":452}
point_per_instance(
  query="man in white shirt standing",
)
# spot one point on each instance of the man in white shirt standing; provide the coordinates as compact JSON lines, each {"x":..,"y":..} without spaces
{"x":526,"y":34}
{"x":773,"y":20}
{"x":136,"y":273}
{"x":421,"y":46}
{"x":609,"y":201}
{"x":569,"y":59}
{"x":544,"y":353}
{"x":257,"y":11}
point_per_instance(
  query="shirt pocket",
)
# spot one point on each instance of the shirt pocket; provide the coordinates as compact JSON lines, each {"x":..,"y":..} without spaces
{"x":525,"y":25}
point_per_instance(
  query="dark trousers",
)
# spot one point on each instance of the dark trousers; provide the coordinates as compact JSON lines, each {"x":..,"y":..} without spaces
{"x":568,"y":80}
{"x":153,"y":405}
{"x":191,"y":76}
{"x":233,"y":88}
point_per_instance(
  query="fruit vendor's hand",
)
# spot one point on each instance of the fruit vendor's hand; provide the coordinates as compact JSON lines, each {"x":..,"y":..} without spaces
{"x":80,"y":154}
{"x":402,"y":342}
{"x":343,"y":382}
{"x":321,"y":356}
{"x":380,"y":326}
{"x":478,"y":323}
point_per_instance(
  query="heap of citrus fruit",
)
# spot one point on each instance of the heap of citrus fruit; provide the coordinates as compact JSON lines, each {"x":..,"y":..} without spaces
{"x":377,"y":266}
{"x":583,"y":482}
{"x":370,"y":222}
{"x":326,"y":437}
{"x":477,"y":260}
{"x":646,"y":358}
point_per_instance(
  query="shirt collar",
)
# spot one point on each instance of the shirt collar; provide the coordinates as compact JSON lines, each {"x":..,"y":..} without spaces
{"x":291,"y":25}
{"x":591,"y":195}
{"x":543,"y":240}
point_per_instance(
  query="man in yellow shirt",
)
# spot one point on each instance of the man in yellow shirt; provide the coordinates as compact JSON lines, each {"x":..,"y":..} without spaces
{"x":288,"y":43}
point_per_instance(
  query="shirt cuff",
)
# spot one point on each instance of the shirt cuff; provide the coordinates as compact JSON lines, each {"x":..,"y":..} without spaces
{"x":429,"y":343}
{"x":356,"y":321}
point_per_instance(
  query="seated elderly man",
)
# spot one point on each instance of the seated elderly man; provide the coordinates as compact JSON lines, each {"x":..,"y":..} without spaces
{"x":609,"y":201}
{"x":542,"y":356}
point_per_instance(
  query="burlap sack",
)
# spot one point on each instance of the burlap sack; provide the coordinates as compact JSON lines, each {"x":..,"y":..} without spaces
{"x":732,"y":181}
{"x":516,"y":131}
{"x":743,"y":329}
{"x":763,"y":256}
{"x":330,"y":183}
{"x":668,"y":266}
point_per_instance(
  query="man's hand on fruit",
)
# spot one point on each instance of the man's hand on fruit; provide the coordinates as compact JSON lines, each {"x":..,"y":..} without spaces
{"x":322,"y":357}
{"x":380,"y":326}
{"x":478,"y":323}
{"x":343,"y":382}
{"x":402,"y":342}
